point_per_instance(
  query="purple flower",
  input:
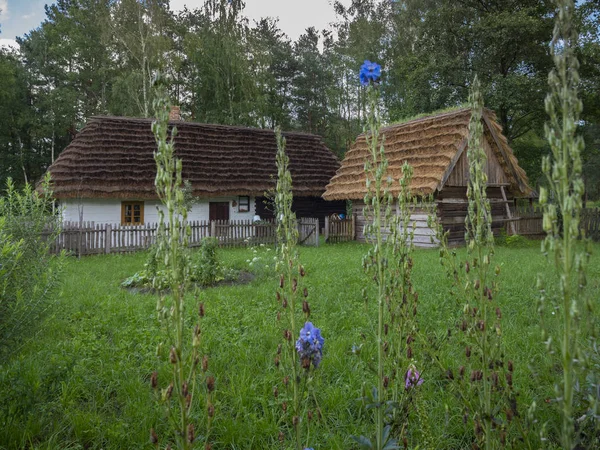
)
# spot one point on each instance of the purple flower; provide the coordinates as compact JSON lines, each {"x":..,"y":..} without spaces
{"x":369,"y":72}
{"x":413,"y":378}
{"x":310,"y":345}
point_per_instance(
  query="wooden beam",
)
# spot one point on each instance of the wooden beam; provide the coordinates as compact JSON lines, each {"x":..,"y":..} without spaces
{"x":511,"y":223}
{"x":453,"y":162}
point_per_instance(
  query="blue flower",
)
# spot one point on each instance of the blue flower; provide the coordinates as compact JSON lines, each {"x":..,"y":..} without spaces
{"x":310,"y":345}
{"x":369,"y":71}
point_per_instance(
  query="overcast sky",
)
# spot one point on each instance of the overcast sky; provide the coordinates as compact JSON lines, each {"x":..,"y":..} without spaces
{"x":18,"y":17}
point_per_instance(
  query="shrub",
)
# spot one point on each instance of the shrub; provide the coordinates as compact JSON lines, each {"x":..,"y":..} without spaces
{"x":206,"y":269}
{"x":29,"y":274}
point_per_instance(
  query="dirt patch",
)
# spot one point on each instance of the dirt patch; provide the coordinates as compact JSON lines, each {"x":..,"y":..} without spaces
{"x":242,"y":278}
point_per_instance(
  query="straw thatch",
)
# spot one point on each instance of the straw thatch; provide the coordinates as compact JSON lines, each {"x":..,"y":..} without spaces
{"x":112,"y":157}
{"x":432,"y":146}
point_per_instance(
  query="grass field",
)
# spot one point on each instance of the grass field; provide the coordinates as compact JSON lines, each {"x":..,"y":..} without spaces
{"x":82,"y":380}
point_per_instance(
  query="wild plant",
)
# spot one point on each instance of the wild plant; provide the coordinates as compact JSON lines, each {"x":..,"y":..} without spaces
{"x":171,"y":248}
{"x":389,"y":264}
{"x":300,"y":358}
{"x":262,"y":260}
{"x":484,"y":379}
{"x":29,"y":273}
{"x":562,"y":204}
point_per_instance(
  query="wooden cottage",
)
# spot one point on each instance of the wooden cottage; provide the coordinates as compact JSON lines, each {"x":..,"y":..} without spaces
{"x":106,"y":174}
{"x":436,"y":148}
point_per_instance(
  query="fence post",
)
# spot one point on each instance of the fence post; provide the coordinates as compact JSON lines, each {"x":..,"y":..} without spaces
{"x":107,"y":239}
{"x":317,"y":230}
{"x":326,"y":228}
{"x":213,"y":228}
{"x":353,"y":227}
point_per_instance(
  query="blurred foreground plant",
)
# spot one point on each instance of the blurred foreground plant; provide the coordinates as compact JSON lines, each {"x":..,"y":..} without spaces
{"x":297,"y":358}
{"x":562,"y":211}
{"x":29,"y":273}
{"x":171,"y":248}
{"x":389,"y":263}
{"x":484,"y":378}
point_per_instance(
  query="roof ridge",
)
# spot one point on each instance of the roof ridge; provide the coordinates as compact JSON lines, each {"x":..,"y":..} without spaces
{"x":102,"y":117}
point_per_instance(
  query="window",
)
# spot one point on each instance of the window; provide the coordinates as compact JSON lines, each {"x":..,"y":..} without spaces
{"x":244,"y":202}
{"x":132,"y":213}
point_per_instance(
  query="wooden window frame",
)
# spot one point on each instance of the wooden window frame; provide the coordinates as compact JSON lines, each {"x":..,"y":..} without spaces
{"x":244,"y":203}
{"x":133,"y":204}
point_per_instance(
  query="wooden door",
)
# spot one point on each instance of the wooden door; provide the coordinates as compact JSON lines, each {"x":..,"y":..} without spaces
{"x":218,"y":211}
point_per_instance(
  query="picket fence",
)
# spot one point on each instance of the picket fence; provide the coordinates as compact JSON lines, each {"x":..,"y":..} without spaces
{"x":340,"y":230}
{"x":89,"y":238}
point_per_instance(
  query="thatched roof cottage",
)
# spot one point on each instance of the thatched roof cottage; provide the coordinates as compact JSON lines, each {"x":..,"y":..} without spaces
{"x":436,"y":148}
{"x":106,"y":174}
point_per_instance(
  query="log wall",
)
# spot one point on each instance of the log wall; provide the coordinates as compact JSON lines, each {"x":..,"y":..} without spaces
{"x":424,"y":237}
{"x":453,"y":205}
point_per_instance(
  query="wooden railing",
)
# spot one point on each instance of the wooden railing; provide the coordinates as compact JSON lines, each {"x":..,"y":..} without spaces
{"x":340,"y":230}
{"x":88,"y":238}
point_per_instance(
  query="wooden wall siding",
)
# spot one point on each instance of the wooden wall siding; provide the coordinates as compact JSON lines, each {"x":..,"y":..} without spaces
{"x":89,"y":238}
{"x":423,"y":235}
{"x":495,"y":172}
{"x":452,"y":207}
{"x":305,"y":207}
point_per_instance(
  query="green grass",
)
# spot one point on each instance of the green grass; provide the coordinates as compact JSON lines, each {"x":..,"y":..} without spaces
{"x":82,"y":380}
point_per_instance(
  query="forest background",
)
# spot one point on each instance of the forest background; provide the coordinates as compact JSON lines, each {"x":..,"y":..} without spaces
{"x":99,"y":57}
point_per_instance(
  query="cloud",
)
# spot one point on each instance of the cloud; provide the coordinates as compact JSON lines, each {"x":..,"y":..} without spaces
{"x":9,"y":43}
{"x":3,"y":10}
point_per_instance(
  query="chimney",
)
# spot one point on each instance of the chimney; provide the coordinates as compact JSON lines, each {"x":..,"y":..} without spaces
{"x":175,"y":113}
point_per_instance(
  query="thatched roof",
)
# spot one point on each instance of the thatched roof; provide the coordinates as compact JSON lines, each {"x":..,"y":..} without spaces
{"x":112,"y":157}
{"x":431,"y":145}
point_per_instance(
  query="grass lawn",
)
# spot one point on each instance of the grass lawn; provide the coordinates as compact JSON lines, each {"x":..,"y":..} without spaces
{"x":82,"y":381}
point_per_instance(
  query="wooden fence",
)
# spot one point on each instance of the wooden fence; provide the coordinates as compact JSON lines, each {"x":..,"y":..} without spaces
{"x":590,"y":223}
{"x":340,"y":230}
{"x":89,"y":238}
{"x":527,"y":220}
{"x":308,"y":231}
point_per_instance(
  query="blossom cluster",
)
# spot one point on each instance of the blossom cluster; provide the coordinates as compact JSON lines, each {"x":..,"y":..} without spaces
{"x":310,"y":345}
{"x":369,"y":72}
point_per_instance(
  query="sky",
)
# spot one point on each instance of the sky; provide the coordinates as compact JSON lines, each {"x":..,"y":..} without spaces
{"x":18,"y":17}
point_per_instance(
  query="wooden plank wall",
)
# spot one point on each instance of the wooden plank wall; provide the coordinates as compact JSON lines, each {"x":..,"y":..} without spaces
{"x":493,"y":169}
{"x":423,"y":235}
{"x":452,"y":207}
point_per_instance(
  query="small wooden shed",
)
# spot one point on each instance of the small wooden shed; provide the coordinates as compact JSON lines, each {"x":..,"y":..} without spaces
{"x":436,"y":148}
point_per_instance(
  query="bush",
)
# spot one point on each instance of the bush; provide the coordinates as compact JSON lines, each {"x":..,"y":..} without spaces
{"x":29,"y":274}
{"x":205,"y":269}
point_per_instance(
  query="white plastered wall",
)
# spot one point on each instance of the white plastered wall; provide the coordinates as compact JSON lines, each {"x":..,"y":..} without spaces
{"x":109,"y":210}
